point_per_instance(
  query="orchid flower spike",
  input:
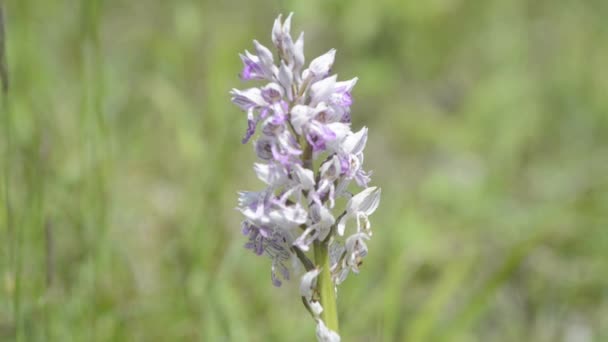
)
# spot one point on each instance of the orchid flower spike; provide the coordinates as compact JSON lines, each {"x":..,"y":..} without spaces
{"x":301,"y":117}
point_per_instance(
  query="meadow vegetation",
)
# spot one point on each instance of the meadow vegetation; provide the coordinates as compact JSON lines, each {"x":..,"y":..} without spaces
{"x":121,"y":159}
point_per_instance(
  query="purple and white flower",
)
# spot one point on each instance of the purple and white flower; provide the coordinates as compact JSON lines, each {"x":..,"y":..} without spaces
{"x":304,"y":117}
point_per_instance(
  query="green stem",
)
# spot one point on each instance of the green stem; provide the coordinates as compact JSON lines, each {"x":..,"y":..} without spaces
{"x":326,"y":287}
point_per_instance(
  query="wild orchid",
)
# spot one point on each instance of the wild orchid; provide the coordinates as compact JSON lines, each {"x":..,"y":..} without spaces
{"x":302,"y":116}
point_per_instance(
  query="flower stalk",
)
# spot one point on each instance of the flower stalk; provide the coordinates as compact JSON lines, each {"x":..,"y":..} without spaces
{"x":326,"y":287}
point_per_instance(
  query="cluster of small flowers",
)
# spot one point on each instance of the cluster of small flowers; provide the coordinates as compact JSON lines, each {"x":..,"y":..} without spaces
{"x":303,"y":116}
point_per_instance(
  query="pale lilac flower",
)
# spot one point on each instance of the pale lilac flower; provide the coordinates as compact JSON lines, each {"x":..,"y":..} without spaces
{"x":248,"y":99}
{"x":342,"y":93}
{"x":281,"y":36}
{"x":305,"y":119}
{"x":272,"y":93}
{"x":360,"y":207}
{"x":329,"y":172}
{"x":318,"y":227}
{"x":253,"y":69}
{"x":349,"y":257}
{"x":265,"y":57}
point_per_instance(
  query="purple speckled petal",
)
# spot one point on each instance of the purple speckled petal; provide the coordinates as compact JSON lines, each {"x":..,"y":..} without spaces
{"x":319,"y":134}
{"x":346,"y":117}
{"x":344,"y":165}
{"x":278,"y":118}
{"x":317,"y":143}
{"x":272,"y":93}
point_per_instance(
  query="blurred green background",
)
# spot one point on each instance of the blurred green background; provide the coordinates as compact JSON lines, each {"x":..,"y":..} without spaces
{"x":121,"y":159}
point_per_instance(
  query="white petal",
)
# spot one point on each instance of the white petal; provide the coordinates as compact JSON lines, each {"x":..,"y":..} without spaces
{"x":287,"y":25}
{"x":320,"y":66}
{"x":322,"y":214}
{"x":304,"y":176}
{"x":342,"y":225}
{"x":323,"y":220}
{"x":247,"y":198}
{"x":262,"y":171}
{"x":288,"y":217}
{"x":326,"y":335}
{"x":355,"y":250}
{"x":321,"y":90}
{"x":366,"y":201}
{"x":341,"y":130}
{"x":251,"y":56}
{"x":306,"y":74}
{"x":264,"y":54}
{"x":287,"y":142}
{"x":270,"y":174}
{"x":300,"y":116}
{"x":255,"y":217}
{"x":331,"y":113}
{"x":308,"y":283}
{"x":351,"y":240}
{"x":286,"y":79}
{"x":298,"y":52}
{"x":330,"y":169}
{"x":344,"y":86}
{"x":341,"y":188}
{"x":321,"y":107}
{"x":277,"y":31}
{"x":248,"y":98}
{"x":355,"y":143}
{"x":304,"y":241}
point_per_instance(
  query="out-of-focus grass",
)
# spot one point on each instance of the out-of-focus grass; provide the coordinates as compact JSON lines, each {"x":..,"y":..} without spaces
{"x":121,"y":159}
